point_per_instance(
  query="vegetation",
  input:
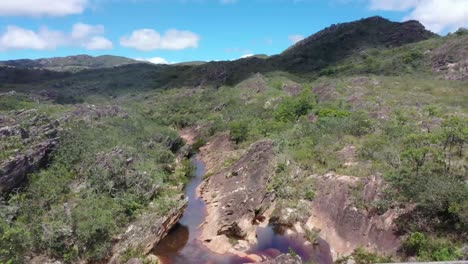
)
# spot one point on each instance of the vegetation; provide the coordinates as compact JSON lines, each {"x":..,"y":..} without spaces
{"x":404,"y":123}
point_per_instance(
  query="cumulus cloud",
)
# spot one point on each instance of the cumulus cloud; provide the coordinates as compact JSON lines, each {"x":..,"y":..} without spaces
{"x":436,"y":15}
{"x":295,"y":38}
{"x":98,"y":43}
{"x":149,"y":39}
{"x":81,"y":30}
{"x":19,"y":38}
{"x":154,"y":60}
{"x":83,"y":35}
{"x":42,"y":7}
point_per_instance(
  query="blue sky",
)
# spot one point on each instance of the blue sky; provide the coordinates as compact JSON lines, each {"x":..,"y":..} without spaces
{"x":187,"y":30}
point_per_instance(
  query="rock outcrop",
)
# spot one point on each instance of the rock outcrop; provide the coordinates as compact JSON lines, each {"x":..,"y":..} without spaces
{"x":237,"y":197}
{"x":339,"y":211}
{"x":283,"y":259}
{"x":146,"y":232}
{"x":27,"y":139}
{"x":451,"y":59}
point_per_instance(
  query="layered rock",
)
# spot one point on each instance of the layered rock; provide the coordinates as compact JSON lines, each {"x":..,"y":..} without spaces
{"x":339,"y":211}
{"x":146,"y":232}
{"x":27,"y":138}
{"x":451,"y":59}
{"x":237,"y":197}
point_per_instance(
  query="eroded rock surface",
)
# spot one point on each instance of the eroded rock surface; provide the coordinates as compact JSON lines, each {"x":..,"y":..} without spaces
{"x":238,"y":196}
{"x":147,"y":231}
{"x":284,"y":259}
{"x":451,"y":59}
{"x":26,"y":140}
{"x":339,"y":212}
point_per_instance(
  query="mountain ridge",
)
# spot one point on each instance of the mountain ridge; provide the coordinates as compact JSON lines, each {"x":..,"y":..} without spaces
{"x":72,"y":63}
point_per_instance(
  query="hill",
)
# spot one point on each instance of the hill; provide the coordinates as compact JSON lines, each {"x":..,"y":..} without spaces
{"x":355,"y":136}
{"x":71,"y":63}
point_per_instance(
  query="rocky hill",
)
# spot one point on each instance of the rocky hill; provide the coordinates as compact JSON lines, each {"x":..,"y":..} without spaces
{"x":71,"y":63}
{"x":351,"y":145}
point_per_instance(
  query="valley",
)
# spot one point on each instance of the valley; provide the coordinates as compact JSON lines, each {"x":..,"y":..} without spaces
{"x":348,"y":147}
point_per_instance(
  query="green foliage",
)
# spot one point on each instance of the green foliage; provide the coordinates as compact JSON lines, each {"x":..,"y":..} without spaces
{"x":200,"y":142}
{"x":461,"y":32}
{"x":330,"y":112}
{"x":68,"y":99}
{"x":96,"y":219}
{"x":14,"y":242}
{"x":429,"y":249}
{"x":361,"y":256}
{"x":239,"y":130}
{"x":291,"y":108}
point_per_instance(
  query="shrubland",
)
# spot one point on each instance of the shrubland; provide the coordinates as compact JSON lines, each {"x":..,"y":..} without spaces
{"x":402,"y":122}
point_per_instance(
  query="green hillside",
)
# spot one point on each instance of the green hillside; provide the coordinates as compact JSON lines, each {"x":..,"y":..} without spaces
{"x":370,"y":98}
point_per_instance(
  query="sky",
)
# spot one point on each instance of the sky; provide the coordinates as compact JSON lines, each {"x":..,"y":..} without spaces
{"x":171,"y":31}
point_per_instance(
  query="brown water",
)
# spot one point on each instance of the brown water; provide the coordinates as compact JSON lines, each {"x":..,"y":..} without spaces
{"x":181,"y":246}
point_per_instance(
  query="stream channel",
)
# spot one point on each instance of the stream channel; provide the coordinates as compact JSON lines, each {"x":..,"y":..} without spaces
{"x":181,"y":245}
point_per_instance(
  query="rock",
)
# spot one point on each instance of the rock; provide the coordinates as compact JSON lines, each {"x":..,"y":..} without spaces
{"x":292,"y":88}
{"x":284,"y":259}
{"x":217,"y":152}
{"x":34,"y":137}
{"x":346,"y":225}
{"x":92,"y":112}
{"x":151,"y":259}
{"x":134,"y":261}
{"x":146,"y":231}
{"x":451,"y":59}
{"x":237,"y":195}
{"x":325,"y":92}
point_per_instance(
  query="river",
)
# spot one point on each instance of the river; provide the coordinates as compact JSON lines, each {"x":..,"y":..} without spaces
{"x":181,"y":245}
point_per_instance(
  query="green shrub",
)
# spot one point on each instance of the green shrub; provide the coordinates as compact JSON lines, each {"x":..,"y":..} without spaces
{"x":361,"y":256}
{"x":291,"y":108}
{"x":239,"y":130}
{"x":430,"y":249}
{"x":14,"y":242}
{"x":96,"y":219}
{"x":330,"y":112}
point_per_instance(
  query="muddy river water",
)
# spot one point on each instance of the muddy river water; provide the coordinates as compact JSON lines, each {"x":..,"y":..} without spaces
{"x":181,"y":245}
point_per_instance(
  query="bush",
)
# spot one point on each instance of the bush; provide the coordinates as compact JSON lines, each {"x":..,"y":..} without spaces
{"x":96,"y":219}
{"x":429,"y":249}
{"x":239,"y":130}
{"x":361,"y":256}
{"x":291,"y":108}
{"x":330,"y":112}
{"x":14,"y":242}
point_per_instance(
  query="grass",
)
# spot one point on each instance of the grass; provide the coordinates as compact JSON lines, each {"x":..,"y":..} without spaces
{"x":385,"y":103}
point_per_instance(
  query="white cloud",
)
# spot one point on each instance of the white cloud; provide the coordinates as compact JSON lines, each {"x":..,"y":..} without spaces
{"x":436,"y":15}
{"x":155,"y":60}
{"x":295,"y":38}
{"x":149,"y":39}
{"x":42,"y":7}
{"x":80,"y":30}
{"x":246,"y":56}
{"x":19,"y":38}
{"x":83,"y":35}
{"x":98,"y":43}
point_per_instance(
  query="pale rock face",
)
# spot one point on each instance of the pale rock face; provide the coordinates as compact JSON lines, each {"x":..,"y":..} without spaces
{"x":236,"y":197}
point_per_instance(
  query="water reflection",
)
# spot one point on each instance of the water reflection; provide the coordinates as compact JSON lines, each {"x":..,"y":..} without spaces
{"x":180,"y":246}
